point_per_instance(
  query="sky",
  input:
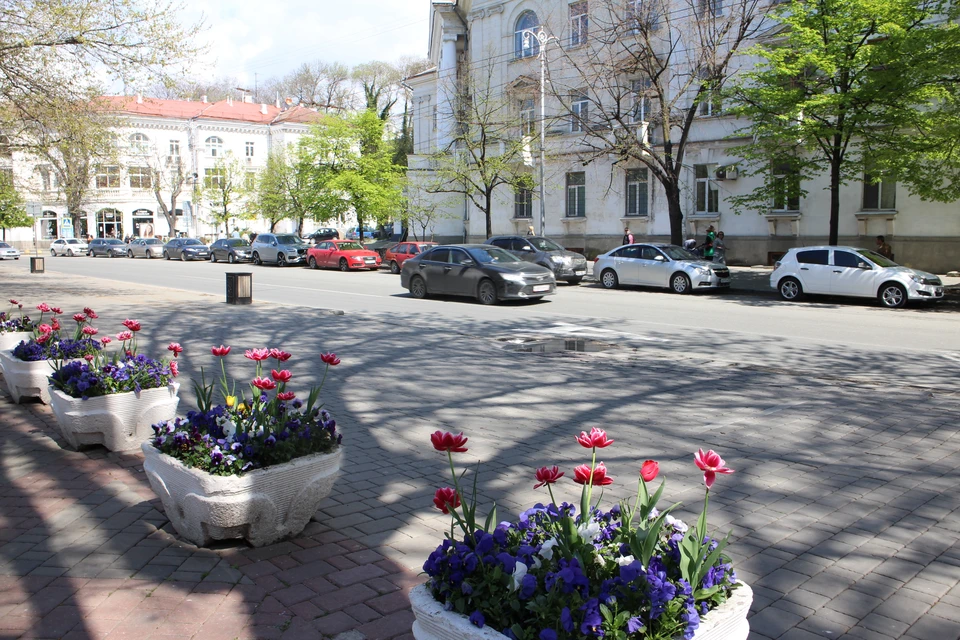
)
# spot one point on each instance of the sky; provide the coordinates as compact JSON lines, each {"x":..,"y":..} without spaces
{"x":252,"y":40}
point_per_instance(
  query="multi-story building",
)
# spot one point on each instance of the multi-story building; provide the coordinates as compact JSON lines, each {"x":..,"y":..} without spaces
{"x":588,"y":204}
{"x":157,"y":138}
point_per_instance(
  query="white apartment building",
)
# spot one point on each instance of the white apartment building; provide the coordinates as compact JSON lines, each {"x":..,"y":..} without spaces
{"x":158,"y":134}
{"x":588,"y":205}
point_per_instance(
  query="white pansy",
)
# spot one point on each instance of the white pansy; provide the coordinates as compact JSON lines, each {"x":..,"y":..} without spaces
{"x":546,"y":551}
{"x":536,"y":562}
{"x":678,"y":525}
{"x":229,"y":428}
{"x":625,"y":560}
{"x":517,"y":576}
{"x":589,"y":530}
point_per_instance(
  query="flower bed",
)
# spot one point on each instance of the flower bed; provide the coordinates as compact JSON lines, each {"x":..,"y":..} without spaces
{"x":631,"y":571}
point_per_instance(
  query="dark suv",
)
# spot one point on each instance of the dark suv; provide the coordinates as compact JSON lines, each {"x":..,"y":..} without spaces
{"x":110,"y":247}
{"x":566,"y":265}
{"x":327,"y":233}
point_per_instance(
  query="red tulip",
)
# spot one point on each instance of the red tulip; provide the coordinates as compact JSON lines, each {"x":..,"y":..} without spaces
{"x":43,"y":339}
{"x":649,"y":470}
{"x":174,"y":368}
{"x":546,"y":475}
{"x":133,"y":325}
{"x":581,"y":475}
{"x":45,"y":328}
{"x":220,"y":351}
{"x":286,"y":395}
{"x":257,"y":354}
{"x":445,"y":499}
{"x":55,"y":324}
{"x":596,"y":438}
{"x":281,"y":376}
{"x":280,"y":355}
{"x":88,"y":358}
{"x":43,"y":307}
{"x":12,"y":301}
{"x":79,"y":317}
{"x":711,"y":464}
{"x":90,"y":331}
{"x":176,"y":348}
{"x":56,"y":310}
{"x":264,"y":384}
{"x":106,"y":340}
{"x":330,"y":358}
{"x":123,"y":336}
{"x":90,"y":313}
{"x":446,"y":441}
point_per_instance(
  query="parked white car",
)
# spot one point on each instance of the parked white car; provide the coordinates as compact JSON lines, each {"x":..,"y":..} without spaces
{"x":68,"y":247}
{"x":659,"y":265}
{"x":849,"y":271}
{"x":7,"y":251}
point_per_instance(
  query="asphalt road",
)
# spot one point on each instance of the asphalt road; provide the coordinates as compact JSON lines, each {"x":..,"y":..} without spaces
{"x":827,"y":338}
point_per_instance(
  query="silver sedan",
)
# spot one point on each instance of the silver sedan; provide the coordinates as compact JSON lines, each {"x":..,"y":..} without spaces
{"x":659,"y":265}
{"x":145,"y":248}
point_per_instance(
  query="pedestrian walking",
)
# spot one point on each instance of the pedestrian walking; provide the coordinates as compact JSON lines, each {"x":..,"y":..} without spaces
{"x":530,"y":231}
{"x":627,"y":236}
{"x":719,"y":249}
{"x":883,"y":248}
{"x":708,"y":244}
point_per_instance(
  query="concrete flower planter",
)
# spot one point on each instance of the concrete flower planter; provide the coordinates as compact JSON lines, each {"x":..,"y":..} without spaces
{"x":260,"y":506}
{"x":11,"y":339}
{"x":26,"y":379}
{"x":119,"y":422}
{"x":433,"y":622}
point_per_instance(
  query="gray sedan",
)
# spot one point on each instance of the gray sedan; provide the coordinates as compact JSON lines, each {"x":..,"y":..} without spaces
{"x":659,"y":265}
{"x":185,"y":249}
{"x":145,"y":248}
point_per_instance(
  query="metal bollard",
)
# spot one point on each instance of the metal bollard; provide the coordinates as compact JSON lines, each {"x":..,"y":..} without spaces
{"x":36,"y":265}
{"x":239,"y":288}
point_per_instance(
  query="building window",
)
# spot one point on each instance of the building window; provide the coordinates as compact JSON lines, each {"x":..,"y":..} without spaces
{"x":641,"y":17}
{"x":525,"y":42}
{"x":5,"y":150}
{"x":108,"y":177}
{"x":578,"y":24}
{"x":642,"y":100}
{"x":709,"y":99}
{"x":250,"y":180}
{"x":248,"y":149}
{"x":139,"y":143}
{"x":523,"y":203}
{"x":48,"y":178}
{"x":709,"y":8}
{"x":786,"y":187}
{"x":576,"y":194}
{"x":214,"y":178}
{"x":637,"y":192}
{"x":707,"y":196}
{"x":214,"y":147}
{"x":879,"y":192}
{"x":528,"y":121}
{"x":49,"y":225}
{"x":140,"y":177}
{"x":579,"y":106}
{"x":174,"y":148}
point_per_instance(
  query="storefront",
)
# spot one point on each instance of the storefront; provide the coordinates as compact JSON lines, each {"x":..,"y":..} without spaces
{"x":143,"y":224}
{"x":109,"y":224}
{"x":49,"y":225}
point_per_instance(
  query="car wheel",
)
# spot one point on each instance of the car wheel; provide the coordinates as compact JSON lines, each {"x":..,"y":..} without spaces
{"x":256,"y":259}
{"x":418,"y":288}
{"x":343,"y":265}
{"x":790,"y":289}
{"x":281,"y":260}
{"x":575,"y":281}
{"x":231,"y":258}
{"x":213,"y":257}
{"x":680,"y":283}
{"x":487,"y":292}
{"x":53,"y":253}
{"x":893,"y":295}
{"x":183,"y":257}
{"x":166,"y":256}
{"x":129,"y":253}
{"x":394,"y":267}
{"x":312,"y":262}
{"x":148,"y":253}
{"x":609,"y":279}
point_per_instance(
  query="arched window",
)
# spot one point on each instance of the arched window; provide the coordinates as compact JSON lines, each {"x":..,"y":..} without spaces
{"x":214,"y":147}
{"x":526,"y":46}
{"x":139,"y":143}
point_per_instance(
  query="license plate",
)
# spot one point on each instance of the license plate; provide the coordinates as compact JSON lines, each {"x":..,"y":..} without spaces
{"x":369,"y":260}
{"x":579,"y":273}
{"x":724,"y":280}
{"x":541,"y":287}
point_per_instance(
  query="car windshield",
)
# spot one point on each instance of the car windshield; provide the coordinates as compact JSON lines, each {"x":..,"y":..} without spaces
{"x":289,"y":240}
{"x":545,"y":244}
{"x":676,"y":253}
{"x":4,"y":245}
{"x":189,"y":242}
{"x":878,"y":259}
{"x":494,"y":255}
{"x":152,"y":241}
{"x":72,"y":241}
{"x":112,"y":241}
{"x":237,"y":242}
{"x":349,"y":246}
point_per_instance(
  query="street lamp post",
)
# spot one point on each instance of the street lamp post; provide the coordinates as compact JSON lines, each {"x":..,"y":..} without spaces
{"x":543,"y":39}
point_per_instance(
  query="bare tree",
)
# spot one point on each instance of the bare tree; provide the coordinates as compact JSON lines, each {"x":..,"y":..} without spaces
{"x":646,"y":71}
{"x":425,"y":211}
{"x":325,"y":86}
{"x":169,"y":177}
{"x":380,"y":83}
{"x":194,"y":89}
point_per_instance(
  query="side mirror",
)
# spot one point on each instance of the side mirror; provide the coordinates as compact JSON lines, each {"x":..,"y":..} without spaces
{"x":864,"y":265}
{"x":528,"y":248}
{"x":274,"y":243}
{"x":659,"y":258}
{"x":467,"y":263}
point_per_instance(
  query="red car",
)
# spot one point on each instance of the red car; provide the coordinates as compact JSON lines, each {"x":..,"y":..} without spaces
{"x":396,"y":255}
{"x":342,"y":254}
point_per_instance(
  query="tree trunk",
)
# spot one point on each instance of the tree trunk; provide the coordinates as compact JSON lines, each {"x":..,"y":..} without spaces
{"x":672,"y":193}
{"x":834,"y":201}
{"x":487,"y":207}
{"x":300,"y":226}
{"x":273,"y":224}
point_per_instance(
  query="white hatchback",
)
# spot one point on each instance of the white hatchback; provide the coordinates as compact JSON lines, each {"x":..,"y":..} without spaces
{"x":849,"y":271}
{"x":68,"y":247}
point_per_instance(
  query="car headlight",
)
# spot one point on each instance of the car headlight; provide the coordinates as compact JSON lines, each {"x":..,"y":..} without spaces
{"x":557,"y":259}
{"x":513,"y":277}
{"x":704,"y":271}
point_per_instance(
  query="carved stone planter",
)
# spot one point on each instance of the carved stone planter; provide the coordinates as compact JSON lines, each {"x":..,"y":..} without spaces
{"x":26,"y":379}
{"x":11,"y":339}
{"x":119,"y":422}
{"x":433,"y":622}
{"x":260,"y":506}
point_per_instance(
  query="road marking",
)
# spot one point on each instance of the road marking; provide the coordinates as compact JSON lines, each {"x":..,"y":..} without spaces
{"x":593,"y":332}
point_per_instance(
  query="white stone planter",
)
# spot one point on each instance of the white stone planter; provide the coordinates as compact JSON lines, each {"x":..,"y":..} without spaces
{"x":26,"y":379}
{"x":433,"y":622}
{"x":10,"y":339}
{"x":260,"y":506}
{"x":119,"y":422}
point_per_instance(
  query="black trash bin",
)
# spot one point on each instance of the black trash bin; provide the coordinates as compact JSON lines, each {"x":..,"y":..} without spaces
{"x":36,"y":265}
{"x":239,"y":288}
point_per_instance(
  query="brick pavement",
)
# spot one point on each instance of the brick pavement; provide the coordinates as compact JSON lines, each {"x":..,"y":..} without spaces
{"x":843,"y":511}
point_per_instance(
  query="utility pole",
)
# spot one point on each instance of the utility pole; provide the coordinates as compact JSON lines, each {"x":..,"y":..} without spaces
{"x":543,"y":39}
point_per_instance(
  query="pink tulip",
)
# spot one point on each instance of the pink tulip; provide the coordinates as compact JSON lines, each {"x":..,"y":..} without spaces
{"x":446,"y":441}
{"x":286,"y":395}
{"x":330,"y":359}
{"x":90,"y":313}
{"x":123,"y":336}
{"x":174,"y":368}
{"x":547,"y":475}
{"x":132,"y":325}
{"x":649,"y":470}
{"x":281,"y":376}
{"x":176,"y":348}
{"x":446,"y":499}
{"x":581,"y":475}
{"x":257,"y":354}
{"x":220,"y":351}
{"x":596,"y":438}
{"x":264,"y":384}
{"x":711,"y":464}
{"x":90,"y":331}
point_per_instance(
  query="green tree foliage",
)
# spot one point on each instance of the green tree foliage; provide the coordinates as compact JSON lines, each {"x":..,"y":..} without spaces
{"x":12,"y":212}
{"x":283,"y":188}
{"x":226,"y":189}
{"x":854,"y":87}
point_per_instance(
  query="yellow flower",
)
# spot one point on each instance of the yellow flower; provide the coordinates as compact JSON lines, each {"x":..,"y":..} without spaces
{"x":231,"y":400}
{"x":242,"y":407}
